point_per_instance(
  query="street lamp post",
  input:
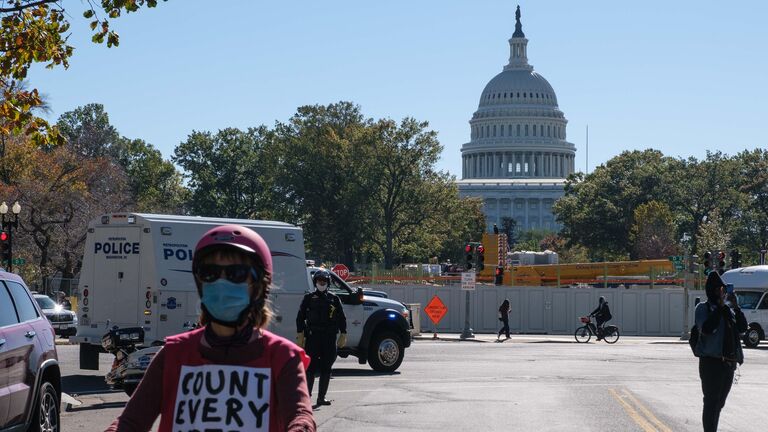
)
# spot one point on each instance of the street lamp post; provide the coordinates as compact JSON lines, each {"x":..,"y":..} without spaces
{"x":11,"y":224}
{"x":686,"y":268}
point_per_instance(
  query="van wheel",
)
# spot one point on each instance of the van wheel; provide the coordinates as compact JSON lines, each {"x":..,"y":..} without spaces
{"x":386,"y":352}
{"x":752,"y":338}
{"x":46,"y":415}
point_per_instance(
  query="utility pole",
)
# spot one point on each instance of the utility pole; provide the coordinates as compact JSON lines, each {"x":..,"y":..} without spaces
{"x":686,"y":305}
{"x":468,"y":280}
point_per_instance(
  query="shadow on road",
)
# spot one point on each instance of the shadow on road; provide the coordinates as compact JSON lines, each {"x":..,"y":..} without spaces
{"x":361,"y":372}
{"x":553,"y":342}
{"x":99,"y":406}
{"x":85,"y":384}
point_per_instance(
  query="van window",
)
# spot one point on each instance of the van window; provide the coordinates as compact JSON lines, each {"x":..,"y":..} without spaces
{"x":24,"y":305}
{"x":749,"y":299}
{"x":764,"y":303}
{"x":7,"y":311}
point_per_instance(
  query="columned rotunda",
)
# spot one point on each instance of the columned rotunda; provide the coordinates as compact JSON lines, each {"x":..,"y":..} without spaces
{"x":518,"y":157}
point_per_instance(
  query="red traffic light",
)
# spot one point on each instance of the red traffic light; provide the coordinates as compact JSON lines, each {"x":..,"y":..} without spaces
{"x":468,"y":248}
{"x":3,"y":236}
{"x":480,"y":249}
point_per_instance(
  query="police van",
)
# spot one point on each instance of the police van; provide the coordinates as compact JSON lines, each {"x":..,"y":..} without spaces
{"x":751,"y":286}
{"x":137,"y":272}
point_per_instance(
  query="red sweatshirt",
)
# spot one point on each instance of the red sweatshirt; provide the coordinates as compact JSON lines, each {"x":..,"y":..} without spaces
{"x":292,"y":397}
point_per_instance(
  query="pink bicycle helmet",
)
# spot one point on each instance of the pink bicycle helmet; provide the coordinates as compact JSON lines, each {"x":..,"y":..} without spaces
{"x":238,"y":237}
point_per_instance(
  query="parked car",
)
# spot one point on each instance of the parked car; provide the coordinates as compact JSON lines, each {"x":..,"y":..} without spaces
{"x":64,"y":321}
{"x":30,"y":378}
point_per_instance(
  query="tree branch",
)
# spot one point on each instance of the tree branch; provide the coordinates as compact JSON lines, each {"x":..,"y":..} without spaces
{"x":20,"y":7}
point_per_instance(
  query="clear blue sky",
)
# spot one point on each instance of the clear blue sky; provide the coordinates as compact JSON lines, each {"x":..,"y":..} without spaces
{"x":683,"y":77}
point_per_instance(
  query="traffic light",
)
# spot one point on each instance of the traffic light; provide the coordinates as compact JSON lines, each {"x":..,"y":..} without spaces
{"x":735,"y":259}
{"x":721,"y":262}
{"x":480,"y":257}
{"x":468,"y":258}
{"x":499,"y":275}
{"x":5,"y":248}
{"x":707,"y":262}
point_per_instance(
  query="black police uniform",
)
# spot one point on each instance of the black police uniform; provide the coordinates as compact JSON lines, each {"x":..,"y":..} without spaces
{"x":320,"y":318}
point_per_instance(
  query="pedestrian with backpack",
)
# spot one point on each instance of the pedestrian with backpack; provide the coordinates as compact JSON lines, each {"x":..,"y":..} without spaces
{"x":719,"y":322}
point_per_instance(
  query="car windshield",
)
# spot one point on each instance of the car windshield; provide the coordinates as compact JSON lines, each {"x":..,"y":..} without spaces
{"x":749,"y":299}
{"x":45,"y":302}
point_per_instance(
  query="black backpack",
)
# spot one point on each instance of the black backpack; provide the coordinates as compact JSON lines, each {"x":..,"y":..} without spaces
{"x":694,"y":339}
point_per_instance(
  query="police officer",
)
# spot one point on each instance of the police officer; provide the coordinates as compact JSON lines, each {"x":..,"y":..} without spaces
{"x":319,"y":320}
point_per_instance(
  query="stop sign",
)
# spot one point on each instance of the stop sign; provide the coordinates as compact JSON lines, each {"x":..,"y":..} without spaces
{"x":341,"y":270}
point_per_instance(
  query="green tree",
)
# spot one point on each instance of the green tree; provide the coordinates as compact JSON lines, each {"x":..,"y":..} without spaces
{"x":322,"y":156}
{"x":509,"y":227}
{"x":87,"y":131}
{"x":463,"y":222}
{"x":409,"y":194}
{"x":653,"y":233}
{"x":700,"y":187}
{"x":536,"y":240}
{"x":36,"y":31}
{"x":226,"y":172}
{"x":155,"y":184}
{"x":751,"y":225}
{"x":714,"y":234}
{"x":597,"y":210}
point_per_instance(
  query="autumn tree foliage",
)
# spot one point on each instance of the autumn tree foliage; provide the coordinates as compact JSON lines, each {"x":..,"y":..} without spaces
{"x":37,"y":31}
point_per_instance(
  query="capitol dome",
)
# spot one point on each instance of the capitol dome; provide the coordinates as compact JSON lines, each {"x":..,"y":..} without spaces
{"x":516,"y":86}
{"x":518,"y":156}
{"x":518,"y":130}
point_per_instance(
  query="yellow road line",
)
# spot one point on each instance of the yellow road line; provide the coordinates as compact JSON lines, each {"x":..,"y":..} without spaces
{"x":648,"y":414}
{"x":640,"y":420}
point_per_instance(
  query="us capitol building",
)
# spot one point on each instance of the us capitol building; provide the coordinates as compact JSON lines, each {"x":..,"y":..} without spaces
{"x":518,"y":157}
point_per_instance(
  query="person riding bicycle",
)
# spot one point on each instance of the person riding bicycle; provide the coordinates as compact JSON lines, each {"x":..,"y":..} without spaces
{"x":602,"y":315}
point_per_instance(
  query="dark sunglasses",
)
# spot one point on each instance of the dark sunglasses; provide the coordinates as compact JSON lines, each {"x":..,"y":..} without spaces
{"x":235,"y":273}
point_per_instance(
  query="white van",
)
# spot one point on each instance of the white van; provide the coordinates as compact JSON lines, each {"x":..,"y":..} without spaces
{"x":137,"y":272}
{"x":751,"y":285}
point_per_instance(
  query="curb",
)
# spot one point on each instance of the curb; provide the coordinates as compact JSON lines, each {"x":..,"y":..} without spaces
{"x":449,"y":339}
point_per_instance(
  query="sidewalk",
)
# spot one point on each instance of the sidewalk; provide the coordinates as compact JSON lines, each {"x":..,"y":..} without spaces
{"x":530,"y":338}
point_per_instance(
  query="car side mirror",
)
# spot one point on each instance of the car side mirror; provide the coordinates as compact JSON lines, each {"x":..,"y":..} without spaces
{"x":359,"y":295}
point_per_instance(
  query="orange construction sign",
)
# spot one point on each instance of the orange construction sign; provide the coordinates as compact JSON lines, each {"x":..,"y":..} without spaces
{"x":436,"y":309}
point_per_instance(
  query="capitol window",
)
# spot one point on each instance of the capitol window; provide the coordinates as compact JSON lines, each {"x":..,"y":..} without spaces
{"x":494,"y":130}
{"x":509,"y":130}
{"x":517,"y":168}
{"x":534,"y":130}
{"x":541,"y":130}
{"x":549,"y":131}
{"x":526,"y":130}
{"x":518,"y":130}
{"x":501,"y":130}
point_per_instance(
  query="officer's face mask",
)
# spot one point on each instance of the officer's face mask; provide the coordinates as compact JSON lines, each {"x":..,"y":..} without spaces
{"x":225,"y":300}
{"x":321,"y":285}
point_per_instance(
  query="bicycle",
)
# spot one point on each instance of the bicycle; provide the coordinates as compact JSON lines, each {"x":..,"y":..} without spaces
{"x":584,"y":333}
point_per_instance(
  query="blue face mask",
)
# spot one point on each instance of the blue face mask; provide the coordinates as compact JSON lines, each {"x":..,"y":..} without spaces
{"x":225,"y":300}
